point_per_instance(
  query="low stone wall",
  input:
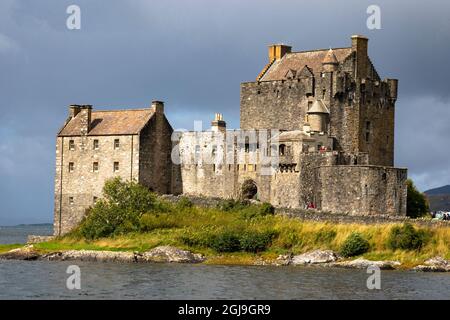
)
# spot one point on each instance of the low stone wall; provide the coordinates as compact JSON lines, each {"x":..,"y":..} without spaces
{"x":37,"y":239}
{"x":319,"y":216}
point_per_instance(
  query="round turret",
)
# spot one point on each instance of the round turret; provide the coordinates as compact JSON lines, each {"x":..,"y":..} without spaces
{"x":318,"y":116}
{"x":330,"y":62}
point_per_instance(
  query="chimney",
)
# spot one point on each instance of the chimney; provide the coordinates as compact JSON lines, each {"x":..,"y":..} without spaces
{"x":277,"y":51}
{"x":74,"y":109}
{"x":158,"y":107}
{"x":360,"y":47}
{"x":85,"y":114}
{"x":218,"y":124}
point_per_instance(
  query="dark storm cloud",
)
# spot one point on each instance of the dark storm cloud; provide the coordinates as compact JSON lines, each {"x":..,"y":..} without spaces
{"x":193,"y":55}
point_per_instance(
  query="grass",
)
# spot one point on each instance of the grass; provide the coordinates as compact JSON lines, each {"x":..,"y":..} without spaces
{"x":7,"y":247}
{"x":293,"y":236}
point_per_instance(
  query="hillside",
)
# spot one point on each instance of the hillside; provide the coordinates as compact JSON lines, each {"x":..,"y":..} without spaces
{"x":439,"y":198}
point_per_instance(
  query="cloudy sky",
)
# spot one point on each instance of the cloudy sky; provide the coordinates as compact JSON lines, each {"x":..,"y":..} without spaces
{"x":193,"y":54}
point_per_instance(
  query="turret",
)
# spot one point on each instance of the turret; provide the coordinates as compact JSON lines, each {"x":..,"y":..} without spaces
{"x":218,"y":124}
{"x":330,"y":62}
{"x":318,"y":116}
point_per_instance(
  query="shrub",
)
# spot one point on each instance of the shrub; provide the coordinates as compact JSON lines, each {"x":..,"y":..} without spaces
{"x":257,"y":210}
{"x":406,"y":237}
{"x":231,"y":205}
{"x":354,"y":245}
{"x":256,"y":241}
{"x":184,"y":203}
{"x":416,"y":203}
{"x":119,"y":212}
{"x":150,"y":222}
{"x":227,"y":241}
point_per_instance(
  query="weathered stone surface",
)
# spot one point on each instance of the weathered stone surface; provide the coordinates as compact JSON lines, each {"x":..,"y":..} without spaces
{"x":364,"y":263}
{"x":37,"y":239}
{"x":91,"y":255}
{"x":24,"y":253}
{"x":436,"y":264}
{"x":170,"y":254}
{"x":283,"y":260}
{"x":315,"y":257}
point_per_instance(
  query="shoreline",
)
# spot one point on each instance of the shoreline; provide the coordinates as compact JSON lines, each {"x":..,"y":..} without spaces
{"x":170,"y":254}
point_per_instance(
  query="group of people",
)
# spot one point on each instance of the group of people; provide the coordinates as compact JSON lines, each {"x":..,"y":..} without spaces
{"x":440,"y":215}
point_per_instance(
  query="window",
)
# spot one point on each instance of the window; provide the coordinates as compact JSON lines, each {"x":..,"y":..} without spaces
{"x":323,"y":93}
{"x":116,"y":144}
{"x":71,"y":166}
{"x":116,"y":166}
{"x":247,"y":144}
{"x":71,"y":201}
{"x":71,"y":145}
{"x":282,"y":149}
{"x":94,"y":200}
{"x":95,"y":167}
{"x":368,"y":129}
{"x":95,"y":144}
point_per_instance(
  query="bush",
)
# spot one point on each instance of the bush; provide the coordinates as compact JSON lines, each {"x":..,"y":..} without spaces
{"x":119,"y":212}
{"x":227,"y":241}
{"x":354,"y":245}
{"x":416,"y":203}
{"x":406,"y":237}
{"x":231,"y":205}
{"x":184,"y":203}
{"x":150,"y":222}
{"x":257,"y":210}
{"x":256,"y":241}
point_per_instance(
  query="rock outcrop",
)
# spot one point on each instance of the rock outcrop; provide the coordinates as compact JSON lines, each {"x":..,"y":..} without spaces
{"x":25,"y":253}
{"x":159,"y":254}
{"x":436,"y":264}
{"x":315,"y":257}
{"x":170,"y":254}
{"x":91,"y":255}
{"x":364,"y":264}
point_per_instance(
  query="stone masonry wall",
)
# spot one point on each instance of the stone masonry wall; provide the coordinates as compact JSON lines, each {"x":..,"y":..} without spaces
{"x":361,"y":190}
{"x":75,"y":191}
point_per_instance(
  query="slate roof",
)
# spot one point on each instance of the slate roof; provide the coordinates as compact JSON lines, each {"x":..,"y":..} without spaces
{"x":112,"y":122}
{"x":297,"y":60}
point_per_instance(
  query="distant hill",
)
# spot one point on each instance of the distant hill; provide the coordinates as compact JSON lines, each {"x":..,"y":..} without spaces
{"x":439,"y":198}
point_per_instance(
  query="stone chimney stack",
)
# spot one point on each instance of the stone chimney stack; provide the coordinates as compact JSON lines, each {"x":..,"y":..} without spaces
{"x":277,"y":51}
{"x":158,"y":107}
{"x":360,"y":48}
{"x":218,"y":124}
{"x":85,"y":114}
{"x":74,"y":110}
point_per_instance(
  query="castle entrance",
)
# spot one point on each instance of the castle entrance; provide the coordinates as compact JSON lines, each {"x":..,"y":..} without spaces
{"x":249,"y":190}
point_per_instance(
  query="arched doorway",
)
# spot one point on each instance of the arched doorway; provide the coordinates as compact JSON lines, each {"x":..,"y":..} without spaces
{"x":249,"y":190}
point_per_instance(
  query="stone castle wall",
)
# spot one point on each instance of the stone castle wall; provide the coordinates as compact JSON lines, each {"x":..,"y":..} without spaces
{"x":75,"y":191}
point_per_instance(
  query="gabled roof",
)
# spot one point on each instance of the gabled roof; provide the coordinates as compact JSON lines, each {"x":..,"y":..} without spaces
{"x":112,"y":122}
{"x":297,"y":61}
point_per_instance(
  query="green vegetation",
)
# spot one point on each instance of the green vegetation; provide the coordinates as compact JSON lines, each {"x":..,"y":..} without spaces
{"x":407,"y":237}
{"x":354,"y":245}
{"x":7,"y":247}
{"x":417,"y":203}
{"x":237,"y":232}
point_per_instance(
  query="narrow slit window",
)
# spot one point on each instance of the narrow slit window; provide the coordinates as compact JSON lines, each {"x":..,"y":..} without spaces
{"x":116,"y":144}
{"x":71,"y":145}
{"x":116,"y":166}
{"x":71,"y":167}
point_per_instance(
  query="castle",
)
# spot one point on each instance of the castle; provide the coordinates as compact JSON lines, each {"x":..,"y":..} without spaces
{"x":316,"y":130}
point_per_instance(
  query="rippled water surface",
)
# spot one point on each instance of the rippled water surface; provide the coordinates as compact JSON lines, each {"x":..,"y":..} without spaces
{"x":47,"y":280}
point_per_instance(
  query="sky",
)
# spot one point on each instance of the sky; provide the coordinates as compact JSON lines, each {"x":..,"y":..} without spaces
{"x":193,"y":54}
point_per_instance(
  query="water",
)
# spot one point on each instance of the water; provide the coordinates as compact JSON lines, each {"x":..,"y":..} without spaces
{"x":47,"y":280}
{"x":19,"y":234}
